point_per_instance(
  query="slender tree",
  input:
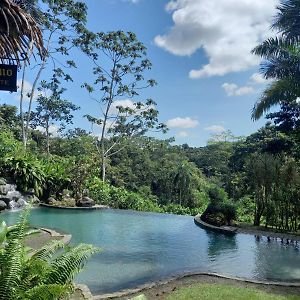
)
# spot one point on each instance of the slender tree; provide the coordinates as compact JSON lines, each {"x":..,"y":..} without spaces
{"x":120,"y":63}
{"x":63,"y":26}
{"x":51,"y":109}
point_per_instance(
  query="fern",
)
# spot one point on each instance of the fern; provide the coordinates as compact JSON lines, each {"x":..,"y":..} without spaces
{"x":48,"y":292}
{"x":42,"y":276}
{"x":65,"y":267}
{"x":11,"y":263}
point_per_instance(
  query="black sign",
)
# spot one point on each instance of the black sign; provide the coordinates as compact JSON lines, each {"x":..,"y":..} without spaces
{"x":8,"y":78}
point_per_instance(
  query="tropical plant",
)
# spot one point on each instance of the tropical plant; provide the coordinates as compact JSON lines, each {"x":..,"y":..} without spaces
{"x":19,"y":33}
{"x":26,"y":170}
{"x":281,"y":56}
{"x":45,"y":275}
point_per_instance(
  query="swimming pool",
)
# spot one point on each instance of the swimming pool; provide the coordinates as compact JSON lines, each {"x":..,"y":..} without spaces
{"x":142,"y":247}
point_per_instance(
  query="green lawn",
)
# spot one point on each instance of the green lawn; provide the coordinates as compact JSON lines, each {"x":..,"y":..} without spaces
{"x":223,"y":292}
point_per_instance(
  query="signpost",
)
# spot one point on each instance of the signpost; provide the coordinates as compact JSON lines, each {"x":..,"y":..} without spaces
{"x":8,"y":77}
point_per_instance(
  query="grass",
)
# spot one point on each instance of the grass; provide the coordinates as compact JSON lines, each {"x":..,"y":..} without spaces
{"x":224,"y":292}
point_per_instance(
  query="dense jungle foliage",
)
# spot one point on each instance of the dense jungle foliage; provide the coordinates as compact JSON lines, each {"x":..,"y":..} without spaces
{"x":253,"y":179}
{"x":258,"y":175}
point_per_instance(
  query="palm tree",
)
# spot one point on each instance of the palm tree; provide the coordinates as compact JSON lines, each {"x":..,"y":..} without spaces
{"x":281,"y":59}
{"x":19,"y":31}
{"x":287,"y":20}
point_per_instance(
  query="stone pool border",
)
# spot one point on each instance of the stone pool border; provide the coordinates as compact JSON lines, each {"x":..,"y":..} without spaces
{"x":96,"y":207}
{"x":65,"y":238}
{"x":252,"y":231}
{"x":86,"y":293}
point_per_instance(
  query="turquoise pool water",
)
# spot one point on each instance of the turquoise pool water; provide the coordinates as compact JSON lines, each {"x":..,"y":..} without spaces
{"x":143,"y":247}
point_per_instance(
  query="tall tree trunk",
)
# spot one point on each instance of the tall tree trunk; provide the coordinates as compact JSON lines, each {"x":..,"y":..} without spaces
{"x":110,"y":101}
{"x":103,"y":168}
{"x":21,"y":108}
{"x":42,"y":67}
{"x":47,"y":138}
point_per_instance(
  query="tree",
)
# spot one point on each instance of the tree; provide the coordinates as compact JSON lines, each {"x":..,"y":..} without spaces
{"x":281,"y":59}
{"x":63,"y":26}
{"x":263,"y":170}
{"x":51,"y":108}
{"x":8,"y":117}
{"x":118,"y":82}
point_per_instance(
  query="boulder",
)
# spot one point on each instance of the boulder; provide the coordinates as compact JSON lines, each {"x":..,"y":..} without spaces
{"x":2,"y":205}
{"x":12,"y":204}
{"x":3,"y":189}
{"x":5,"y":199}
{"x":51,"y":201}
{"x":32,"y":199}
{"x":21,"y":202}
{"x":2,"y":181}
{"x":85,"y":202}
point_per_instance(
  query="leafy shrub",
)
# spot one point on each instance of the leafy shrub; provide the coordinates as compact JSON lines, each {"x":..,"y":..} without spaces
{"x":217,"y":195}
{"x":176,"y":209}
{"x":8,"y":144}
{"x":219,"y":214}
{"x":99,"y":191}
{"x":27,"y":171}
{"x":65,"y":203}
{"x":56,"y":175}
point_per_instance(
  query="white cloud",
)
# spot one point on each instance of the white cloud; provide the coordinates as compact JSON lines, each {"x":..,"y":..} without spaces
{"x":227,"y":30}
{"x":233,"y":89}
{"x":215,"y":128}
{"x":127,"y":103}
{"x":27,"y":91}
{"x":132,"y":1}
{"x":182,"y":134}
{"x":258,"y":78}
{"x":182,"y":123}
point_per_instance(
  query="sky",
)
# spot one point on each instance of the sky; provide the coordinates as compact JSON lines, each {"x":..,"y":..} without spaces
{"x":208,"y":81}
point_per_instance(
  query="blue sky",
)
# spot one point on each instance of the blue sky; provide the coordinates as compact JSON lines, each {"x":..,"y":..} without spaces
{"x":200,"y":49}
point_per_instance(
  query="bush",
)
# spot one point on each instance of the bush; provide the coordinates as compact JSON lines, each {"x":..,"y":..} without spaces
{"x":8,"y":144}
{"x":217,"y":195}
{"x":57,"y":176}
{"x":219,"y":214}
{"x":27,"y":171}
{"x":176,"y":209}
{"x":99,"y":191}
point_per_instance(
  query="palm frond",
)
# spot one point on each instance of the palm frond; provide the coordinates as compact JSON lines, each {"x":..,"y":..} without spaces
{"x":286,"y":90}
{"x":287,"y":20}
{"x":275,"y":47}
{"x":18,"y":32}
